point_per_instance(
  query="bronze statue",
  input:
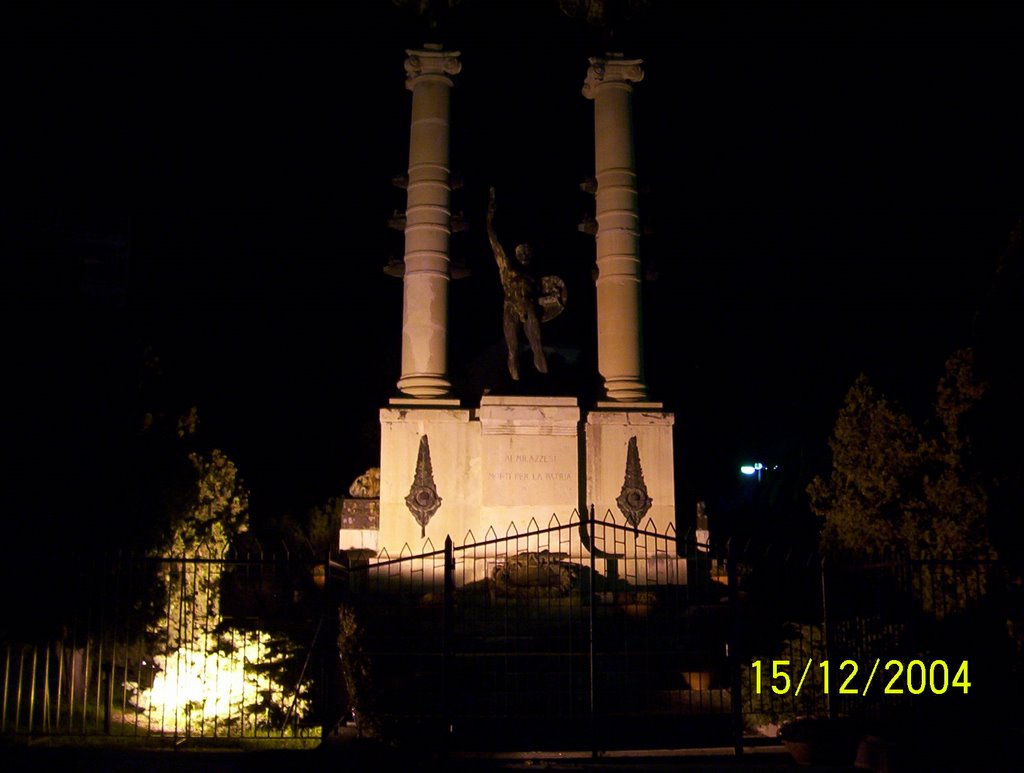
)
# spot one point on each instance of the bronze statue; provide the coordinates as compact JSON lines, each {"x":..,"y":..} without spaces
{"x":527,"y":301}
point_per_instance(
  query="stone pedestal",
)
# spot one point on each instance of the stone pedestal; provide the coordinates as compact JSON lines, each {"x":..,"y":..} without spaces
{"x":509,"y":466}
{"x":630,"y":474}
{"x":529,"y":462}
{"x":504,"y":469}
{"x":608,"y":436}
{"x":453,"y":443}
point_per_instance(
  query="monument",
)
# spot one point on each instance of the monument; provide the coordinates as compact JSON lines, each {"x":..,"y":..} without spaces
{"x":490,"y":465}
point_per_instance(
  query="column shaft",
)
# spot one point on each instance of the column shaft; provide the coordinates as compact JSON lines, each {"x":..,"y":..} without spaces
{"x":619,"y":319}
{"x":428,"y":226}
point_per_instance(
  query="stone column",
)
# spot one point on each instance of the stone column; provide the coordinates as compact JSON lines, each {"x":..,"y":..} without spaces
{"x":619,"y":354}
{"x":428,"y":224}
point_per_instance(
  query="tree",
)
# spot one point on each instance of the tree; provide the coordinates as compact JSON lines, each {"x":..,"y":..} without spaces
{"x":896,"y":486}
{"x":604,"y":13}
{"x":208,"y":674}
{"x":312,"y":534}
{"x":199,"y":538}
{"x":218,"y":512}
{"x":1000,"y":423}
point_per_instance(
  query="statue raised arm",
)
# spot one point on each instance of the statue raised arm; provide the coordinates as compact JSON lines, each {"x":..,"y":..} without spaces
{"x":527,"y":301}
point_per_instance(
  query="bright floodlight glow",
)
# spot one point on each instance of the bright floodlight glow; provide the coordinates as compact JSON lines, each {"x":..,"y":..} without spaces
{"x":211,"y":682}
{"x":748,"y":469}
{"x":212,"y":679}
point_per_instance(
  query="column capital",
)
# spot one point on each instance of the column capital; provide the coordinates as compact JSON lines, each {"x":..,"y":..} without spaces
{"x":611,"y":68}
{"x":431,"y":61}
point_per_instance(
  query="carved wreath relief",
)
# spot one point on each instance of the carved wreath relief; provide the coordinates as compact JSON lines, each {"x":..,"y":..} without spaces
{"x":423,"y":500}
{"x":633,"y":500}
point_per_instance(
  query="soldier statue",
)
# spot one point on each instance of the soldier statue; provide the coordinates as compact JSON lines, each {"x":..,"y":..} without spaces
{"x":528,"y":301}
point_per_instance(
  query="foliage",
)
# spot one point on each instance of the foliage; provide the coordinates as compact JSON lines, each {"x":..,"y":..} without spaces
{"x":803,"y":643}
{"x":896,"y":486}
{"x":604,"y":13}
{"x":321,"y":526}
{"x":356,"y":670}
{"x":209,"y":675}
{"x":218,"y":512}
{"x":1000,"y":423}
{"x":314,"y":533}
{"x":433,"y":11}
{"x":220,"y":681}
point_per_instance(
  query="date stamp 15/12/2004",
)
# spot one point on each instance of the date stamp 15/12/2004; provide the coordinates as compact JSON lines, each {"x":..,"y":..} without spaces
{"x":852,"y":678}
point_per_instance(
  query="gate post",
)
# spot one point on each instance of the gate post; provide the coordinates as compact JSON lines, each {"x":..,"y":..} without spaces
{"x":593,"y":597}
{"x":448,"y":627}
{"x":733,"y":650}
{"x":826,"y":633}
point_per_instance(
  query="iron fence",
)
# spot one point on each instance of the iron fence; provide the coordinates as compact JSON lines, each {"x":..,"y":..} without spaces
{"x":170,"y":647}
{"x":595,"y":634}
{"x":579,"y":632}
{"x":933,"y":631}
{"x":587,"y":633}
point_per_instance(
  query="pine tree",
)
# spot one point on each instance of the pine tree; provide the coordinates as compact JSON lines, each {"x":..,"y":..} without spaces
{"x":897,"y":486}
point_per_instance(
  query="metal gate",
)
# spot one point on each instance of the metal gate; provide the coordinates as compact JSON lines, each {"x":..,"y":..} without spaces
{"x":587,"y":634}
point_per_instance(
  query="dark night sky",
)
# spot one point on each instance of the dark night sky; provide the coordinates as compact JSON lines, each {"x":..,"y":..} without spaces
{"x":830,"y":185}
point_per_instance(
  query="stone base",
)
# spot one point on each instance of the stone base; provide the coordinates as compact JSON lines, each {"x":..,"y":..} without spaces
{"x":425,"y":402}
{"x":608,"y":434}
{"x":520,"y":465}
{"x":529,"y":468}
{"x":359,"y":539}
{"x":618,"y":405}
{"x":454,"y":444}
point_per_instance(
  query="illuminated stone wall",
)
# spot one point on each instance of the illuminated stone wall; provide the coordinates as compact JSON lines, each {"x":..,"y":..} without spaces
{"x":454,"y":446}
{"x":508,"y":466}
{"x":529,"y":461}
